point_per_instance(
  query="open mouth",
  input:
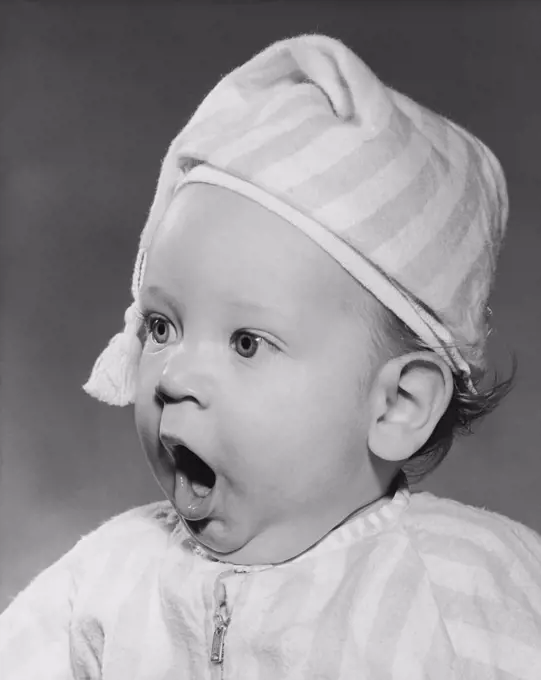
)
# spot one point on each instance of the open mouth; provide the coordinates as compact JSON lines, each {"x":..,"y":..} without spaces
{"x":194,"y":484}
{"x":198,"y":474}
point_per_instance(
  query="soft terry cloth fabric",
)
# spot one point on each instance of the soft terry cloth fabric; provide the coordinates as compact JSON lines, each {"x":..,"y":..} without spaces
{"x":412,"y":205}
{"x":422,"y":588}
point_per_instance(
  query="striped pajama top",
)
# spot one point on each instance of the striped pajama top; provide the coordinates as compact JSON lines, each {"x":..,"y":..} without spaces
{"x":421,"y":588}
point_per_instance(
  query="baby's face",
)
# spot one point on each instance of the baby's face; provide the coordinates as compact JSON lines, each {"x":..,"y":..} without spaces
{"x":250,"y":396}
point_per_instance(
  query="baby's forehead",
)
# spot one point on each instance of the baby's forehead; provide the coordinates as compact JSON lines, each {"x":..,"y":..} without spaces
{"x":210,"y":232}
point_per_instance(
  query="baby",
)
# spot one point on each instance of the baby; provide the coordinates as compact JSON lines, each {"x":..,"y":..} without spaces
{"x":307,"y":333}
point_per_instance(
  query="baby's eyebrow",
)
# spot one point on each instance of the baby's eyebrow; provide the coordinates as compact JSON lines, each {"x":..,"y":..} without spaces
{"x":150,"y":293}
{"x":154,"y":292}
{"x":248,"y":304}
{"x":257,"y":306}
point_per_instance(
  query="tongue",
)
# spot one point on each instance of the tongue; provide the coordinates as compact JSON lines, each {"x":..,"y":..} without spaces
{"x":193,"y":499}
{"x":201,"y":490}
{"x":194,"y":483}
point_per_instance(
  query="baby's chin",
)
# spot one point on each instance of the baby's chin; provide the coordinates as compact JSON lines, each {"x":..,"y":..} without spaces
{"x":234,"y":546}
{"x":229,"y":532}
{"x":241,"y":546}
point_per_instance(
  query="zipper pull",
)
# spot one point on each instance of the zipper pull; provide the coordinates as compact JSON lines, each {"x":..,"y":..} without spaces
{"x":221,"y":621}
{"x":218,"y":639}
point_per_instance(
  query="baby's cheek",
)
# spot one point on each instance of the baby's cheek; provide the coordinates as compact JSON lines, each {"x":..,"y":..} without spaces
{"x":146,"y":407}
{"x":149,"y":370}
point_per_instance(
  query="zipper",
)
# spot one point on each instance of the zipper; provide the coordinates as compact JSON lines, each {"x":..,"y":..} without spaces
{"x":221,"y":622}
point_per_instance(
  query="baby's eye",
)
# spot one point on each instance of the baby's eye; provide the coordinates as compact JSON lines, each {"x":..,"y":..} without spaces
{"x":246,"y":343}
{"x":159,"y":328}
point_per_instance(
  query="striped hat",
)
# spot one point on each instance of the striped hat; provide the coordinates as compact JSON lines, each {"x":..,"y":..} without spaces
{"x":411,"y":205}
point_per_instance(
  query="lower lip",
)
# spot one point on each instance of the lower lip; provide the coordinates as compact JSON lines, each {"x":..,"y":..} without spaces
{"x":187,"y":503}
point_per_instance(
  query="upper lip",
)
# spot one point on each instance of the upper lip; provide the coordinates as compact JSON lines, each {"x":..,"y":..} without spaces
{"x":172,"y":442}
{"x":188,"y":461}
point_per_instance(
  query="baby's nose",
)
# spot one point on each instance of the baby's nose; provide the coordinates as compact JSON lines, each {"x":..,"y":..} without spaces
{"x":180,"y":381}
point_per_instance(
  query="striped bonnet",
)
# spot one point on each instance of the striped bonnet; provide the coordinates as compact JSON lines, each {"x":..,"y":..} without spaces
{"x":411,"y":205}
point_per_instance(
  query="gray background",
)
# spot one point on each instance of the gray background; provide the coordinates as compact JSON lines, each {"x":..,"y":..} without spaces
{"x":90,"y":97}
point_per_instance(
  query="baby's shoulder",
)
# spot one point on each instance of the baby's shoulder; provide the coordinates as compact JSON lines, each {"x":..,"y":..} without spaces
{"x":94,"y":569}
{"x":141,"y":534}
{"x":452,"y":536}
{"x":158,"y":518}
{"x":478,"y":573}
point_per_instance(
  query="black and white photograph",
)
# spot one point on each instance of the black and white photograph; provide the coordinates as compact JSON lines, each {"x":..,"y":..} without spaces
{"x":270,"y":331}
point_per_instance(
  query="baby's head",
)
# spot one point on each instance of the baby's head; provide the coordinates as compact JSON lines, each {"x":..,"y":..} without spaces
{"x":256,"y":362}
{"x":312,"y":281}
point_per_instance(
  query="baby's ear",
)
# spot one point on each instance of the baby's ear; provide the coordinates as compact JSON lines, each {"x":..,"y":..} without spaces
{"x":408,"y":397}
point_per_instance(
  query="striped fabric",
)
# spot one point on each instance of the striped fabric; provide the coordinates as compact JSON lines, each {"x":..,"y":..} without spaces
{"x":409,"y":203}
{"x":423,"y":588}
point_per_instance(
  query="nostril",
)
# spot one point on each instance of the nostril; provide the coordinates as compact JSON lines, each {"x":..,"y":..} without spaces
{"x":163,"y":396}
{"x":195,"y":469}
